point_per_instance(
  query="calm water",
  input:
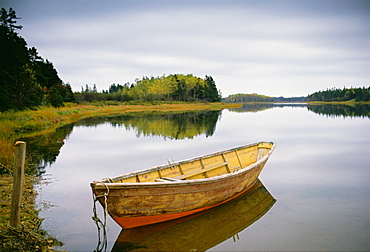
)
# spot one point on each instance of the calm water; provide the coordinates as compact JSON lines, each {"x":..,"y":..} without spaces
{"x":319,"y":173}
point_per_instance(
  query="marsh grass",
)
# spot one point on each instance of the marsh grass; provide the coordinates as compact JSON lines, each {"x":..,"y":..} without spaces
{"x":28,"y":236}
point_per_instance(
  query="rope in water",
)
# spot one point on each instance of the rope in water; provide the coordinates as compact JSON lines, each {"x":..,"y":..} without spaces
{"x":101,"y":225}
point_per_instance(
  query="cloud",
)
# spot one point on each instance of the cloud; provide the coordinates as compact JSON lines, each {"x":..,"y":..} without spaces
{"x":270,"y":47}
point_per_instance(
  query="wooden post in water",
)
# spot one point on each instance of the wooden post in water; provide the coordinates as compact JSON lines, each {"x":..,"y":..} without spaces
{"x":20,"y":155}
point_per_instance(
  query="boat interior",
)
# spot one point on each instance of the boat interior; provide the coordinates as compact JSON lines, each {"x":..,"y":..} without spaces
{"x":199,"y":168}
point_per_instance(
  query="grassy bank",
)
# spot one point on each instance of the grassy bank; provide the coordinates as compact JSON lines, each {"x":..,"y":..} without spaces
{"x":15,"y":125}
{"x":29,"y":236}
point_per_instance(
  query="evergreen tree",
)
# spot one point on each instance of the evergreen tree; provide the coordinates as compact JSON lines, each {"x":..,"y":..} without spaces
{"x":211,"y":92}
{"x":55,"y":98}
{"x":178,"y":87}
{"x":26,"y":80}
{"x":13,"y":64}
{"x":7,"y":20}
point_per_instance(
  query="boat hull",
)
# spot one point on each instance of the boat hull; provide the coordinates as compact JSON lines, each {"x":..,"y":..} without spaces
{"x":130,"y":222}
{"x":202,"y":231}
{"x":138,"y":204}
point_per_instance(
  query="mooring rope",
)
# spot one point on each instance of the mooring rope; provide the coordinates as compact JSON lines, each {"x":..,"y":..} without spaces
{"x":101,"y":225}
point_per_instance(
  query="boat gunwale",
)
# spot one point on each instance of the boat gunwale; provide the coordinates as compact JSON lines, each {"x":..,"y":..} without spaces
{"x":102,"y":184}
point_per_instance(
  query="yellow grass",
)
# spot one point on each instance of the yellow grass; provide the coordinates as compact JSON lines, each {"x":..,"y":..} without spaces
{"x":45,"y":117}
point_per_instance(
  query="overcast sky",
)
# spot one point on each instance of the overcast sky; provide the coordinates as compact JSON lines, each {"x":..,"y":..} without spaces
{"x":275,"y":48}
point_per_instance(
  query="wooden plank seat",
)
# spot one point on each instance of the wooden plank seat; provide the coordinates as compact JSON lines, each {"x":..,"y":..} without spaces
{"x":160,"y":180}
{"x":190,"y":174}
{"x":166,"y":179}
{"x":171,"y":179}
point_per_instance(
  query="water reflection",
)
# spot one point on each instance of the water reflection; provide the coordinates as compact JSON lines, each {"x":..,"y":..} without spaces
{"x":256,"y":107}
{"x":177,"y":126}
{"x":201,"y":231}
{"x":43,"y":150}
{"x":252,"y":107}
{"x":336,"y":110}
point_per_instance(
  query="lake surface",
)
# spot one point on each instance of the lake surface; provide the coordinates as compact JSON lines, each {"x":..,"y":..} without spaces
{"x":318,"y":176}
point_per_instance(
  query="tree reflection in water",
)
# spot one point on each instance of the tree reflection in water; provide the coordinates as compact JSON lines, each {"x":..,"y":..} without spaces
{"x":345,"y":110}
{"x":336,"y":110}
{"x":43,"y":150}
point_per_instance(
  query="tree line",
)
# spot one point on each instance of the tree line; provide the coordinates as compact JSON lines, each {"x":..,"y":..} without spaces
{"x":329,"y":95}
{"x":345,"y":94}
{"x":174,"y":87}
{"x":29,"y":81}
{"x":26,"y":79}
{"x":248,"y":98}
{"x":261,"y":98}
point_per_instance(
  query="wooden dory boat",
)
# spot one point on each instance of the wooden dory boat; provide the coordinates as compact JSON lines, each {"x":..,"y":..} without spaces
{"x":179,"y":189}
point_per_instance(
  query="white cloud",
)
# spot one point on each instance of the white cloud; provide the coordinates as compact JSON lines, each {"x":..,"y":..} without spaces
{"x":274,"y":48}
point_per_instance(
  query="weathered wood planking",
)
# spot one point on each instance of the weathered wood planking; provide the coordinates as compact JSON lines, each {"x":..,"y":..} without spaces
{"x":182,"y":188}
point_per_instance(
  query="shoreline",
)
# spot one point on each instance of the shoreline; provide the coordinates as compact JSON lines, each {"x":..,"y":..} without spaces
{"x":32,"y":122}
